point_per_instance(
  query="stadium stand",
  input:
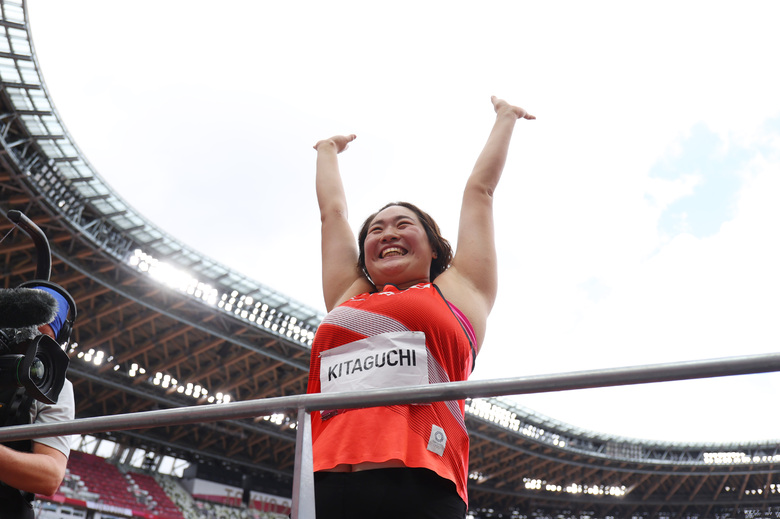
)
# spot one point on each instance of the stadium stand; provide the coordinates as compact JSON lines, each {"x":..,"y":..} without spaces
{"x":155,"y":496}
{"x":178,"y":495}
{"x":102,"y":480}
{"x":95,"y":483}
{"x":93,"y":480}
{"x":142,"y":344}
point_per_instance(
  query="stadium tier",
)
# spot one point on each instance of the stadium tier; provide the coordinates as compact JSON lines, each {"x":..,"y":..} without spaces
{"x":162,"y":326}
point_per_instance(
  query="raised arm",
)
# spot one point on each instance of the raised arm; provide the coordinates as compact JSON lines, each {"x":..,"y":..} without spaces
{"x":341,"y":277}
{"x":471,"y":283}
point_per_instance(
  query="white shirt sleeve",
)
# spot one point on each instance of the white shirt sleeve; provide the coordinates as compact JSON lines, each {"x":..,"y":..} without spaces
{"x":64,"y":410}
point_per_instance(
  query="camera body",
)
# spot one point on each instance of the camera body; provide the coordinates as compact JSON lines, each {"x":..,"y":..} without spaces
{"x":33,"y":361}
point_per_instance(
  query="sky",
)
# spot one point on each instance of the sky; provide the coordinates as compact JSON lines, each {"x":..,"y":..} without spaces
{"x":636,"y":220}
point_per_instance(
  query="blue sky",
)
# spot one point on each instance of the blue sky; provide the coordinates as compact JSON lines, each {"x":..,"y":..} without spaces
{"x":635,"y":219}
{"x":715,"y":168}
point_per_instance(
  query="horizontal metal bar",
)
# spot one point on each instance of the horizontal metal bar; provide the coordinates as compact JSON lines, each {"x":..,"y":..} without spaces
{"x":11,"y":84}
{"x":610,"y":377}
{"x":40,"y":113}
{"x":15,"y":25}
{"x":12,"y":55}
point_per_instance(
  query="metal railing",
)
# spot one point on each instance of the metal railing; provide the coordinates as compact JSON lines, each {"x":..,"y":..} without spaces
{"x":303,"y":482}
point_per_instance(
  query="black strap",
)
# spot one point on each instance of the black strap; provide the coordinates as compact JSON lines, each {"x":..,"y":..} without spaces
{"x":15,"y":504}
{"x":15,"y":407}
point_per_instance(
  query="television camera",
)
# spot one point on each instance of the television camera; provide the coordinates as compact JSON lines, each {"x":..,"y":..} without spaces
{"x":28,"y":358}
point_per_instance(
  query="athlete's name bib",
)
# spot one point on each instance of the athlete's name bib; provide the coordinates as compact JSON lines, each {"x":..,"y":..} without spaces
{"x":390,"y":359}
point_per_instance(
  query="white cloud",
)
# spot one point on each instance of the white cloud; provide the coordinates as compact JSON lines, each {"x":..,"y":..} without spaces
{"x":662,"y":192}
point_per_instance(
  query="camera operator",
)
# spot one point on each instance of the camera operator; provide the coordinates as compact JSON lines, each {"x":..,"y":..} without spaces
{"x":29,"y":467}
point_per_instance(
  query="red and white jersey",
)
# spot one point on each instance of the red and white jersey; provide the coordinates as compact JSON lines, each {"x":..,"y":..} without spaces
{"x":389,"y":339}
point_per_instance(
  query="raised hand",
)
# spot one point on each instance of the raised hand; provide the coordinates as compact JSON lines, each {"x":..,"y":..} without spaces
{"x":341,"y":142}
{"x":502,"y":106}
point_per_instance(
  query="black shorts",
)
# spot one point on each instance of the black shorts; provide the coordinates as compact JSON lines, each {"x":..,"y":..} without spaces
{"x":386,"y":493}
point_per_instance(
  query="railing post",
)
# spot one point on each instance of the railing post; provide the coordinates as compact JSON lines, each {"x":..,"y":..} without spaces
{"x":303,"y":477}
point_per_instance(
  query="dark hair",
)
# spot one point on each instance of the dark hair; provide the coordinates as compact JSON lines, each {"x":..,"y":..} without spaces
{"x":438,"y":243}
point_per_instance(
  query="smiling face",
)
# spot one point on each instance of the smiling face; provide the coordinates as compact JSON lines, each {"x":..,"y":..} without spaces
{"x":396,"y":248}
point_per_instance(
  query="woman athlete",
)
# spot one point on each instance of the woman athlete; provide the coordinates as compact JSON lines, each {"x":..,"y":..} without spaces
{"x":402,"y":310}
